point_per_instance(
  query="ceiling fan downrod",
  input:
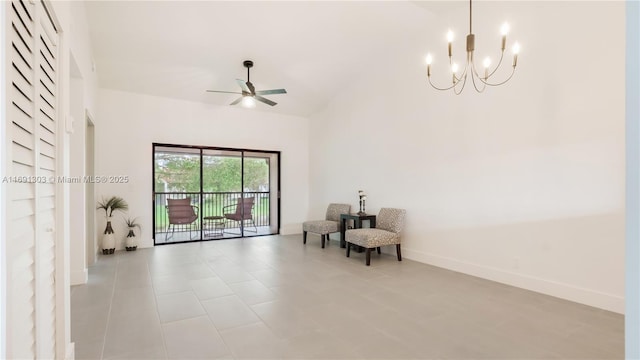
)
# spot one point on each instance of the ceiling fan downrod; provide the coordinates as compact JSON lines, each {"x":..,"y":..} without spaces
{"x":248,"y":64}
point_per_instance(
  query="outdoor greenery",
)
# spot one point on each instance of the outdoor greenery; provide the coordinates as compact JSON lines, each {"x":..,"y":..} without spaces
{"x":211,"y":207}
{"x":176,"y":172}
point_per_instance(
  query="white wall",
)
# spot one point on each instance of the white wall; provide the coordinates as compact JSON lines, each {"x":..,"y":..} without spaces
{"x":80,"y":86}
{"x":77,"y":233}
{"x":80,"y":47}
{"x":132,"y":122}
{"x":632,"y":249}
{"x":522,"y":184}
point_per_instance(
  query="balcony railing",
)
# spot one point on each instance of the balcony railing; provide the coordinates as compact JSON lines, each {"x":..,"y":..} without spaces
{"x":212,"y":204}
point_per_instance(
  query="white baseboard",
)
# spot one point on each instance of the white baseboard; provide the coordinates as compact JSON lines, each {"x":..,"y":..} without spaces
{"x":79,"y":277}
{"x":70,"y":352}
{"x":291,"y":229}
{"x":565,"y":291}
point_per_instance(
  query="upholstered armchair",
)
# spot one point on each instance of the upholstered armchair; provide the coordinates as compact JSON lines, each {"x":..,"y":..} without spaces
{"x":331,"y":224}
{"x":389,"y":225}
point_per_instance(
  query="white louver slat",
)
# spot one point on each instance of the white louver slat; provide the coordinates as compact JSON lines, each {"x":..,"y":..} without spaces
{"x":21,"y":316}
{"x":46,"y":192}
{"x":31,"y":128}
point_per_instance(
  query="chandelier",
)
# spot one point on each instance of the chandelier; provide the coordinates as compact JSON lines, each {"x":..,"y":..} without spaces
{"x":480,"y":79}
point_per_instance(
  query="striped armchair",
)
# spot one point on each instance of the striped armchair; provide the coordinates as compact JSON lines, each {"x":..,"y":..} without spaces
{"x":389,"y":225}
{"x":331,"y":224}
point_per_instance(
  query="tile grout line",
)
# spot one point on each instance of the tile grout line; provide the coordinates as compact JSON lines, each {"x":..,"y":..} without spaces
{"x":229,"y":349}
{"x":261,"y":319}
{"x":113,"y":292}
{"x":155,"y":300}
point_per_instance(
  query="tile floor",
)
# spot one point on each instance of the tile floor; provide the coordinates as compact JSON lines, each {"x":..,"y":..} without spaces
{"x":273,"y":297}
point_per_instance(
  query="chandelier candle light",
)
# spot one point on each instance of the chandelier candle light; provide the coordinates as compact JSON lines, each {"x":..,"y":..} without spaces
{"x":363,"y":198}
{"x":480,"y":81}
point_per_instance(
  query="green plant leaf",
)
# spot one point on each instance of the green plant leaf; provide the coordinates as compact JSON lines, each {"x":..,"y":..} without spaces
{"x":114,"y":203}
{"x":132,"y":222}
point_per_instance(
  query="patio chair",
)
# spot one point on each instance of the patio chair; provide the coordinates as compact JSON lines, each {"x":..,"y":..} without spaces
{"x":243,"y":212}
{"x":181,"y":213}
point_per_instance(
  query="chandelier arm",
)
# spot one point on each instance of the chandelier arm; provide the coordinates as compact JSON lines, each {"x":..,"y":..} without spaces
{"x":463,"y":75}
{"x":497,"y":66}
{"x":438,"y":88}
{"x":473,"y":79}
{"x":464,"y":82}
{"x":462,"y":79}
{"x":485,"y":80}
{"x":473,"y":69}
{"x":513,"y":71}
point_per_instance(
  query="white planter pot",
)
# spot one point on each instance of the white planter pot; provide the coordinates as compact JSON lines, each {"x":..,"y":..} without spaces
{"x":131,"y":242}
{"x":108,"y":244}
{"x":108,"y":239}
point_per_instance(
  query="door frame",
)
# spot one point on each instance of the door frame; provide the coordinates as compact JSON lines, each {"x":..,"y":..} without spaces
{"x":276,"y":193}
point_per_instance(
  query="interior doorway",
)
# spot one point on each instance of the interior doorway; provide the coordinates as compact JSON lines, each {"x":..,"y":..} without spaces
{"x":211,"y":193}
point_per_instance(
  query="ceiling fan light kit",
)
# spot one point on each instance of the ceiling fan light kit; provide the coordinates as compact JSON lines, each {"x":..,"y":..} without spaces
{"x":480,"y":81}
{"x":248,"y":102}
{"x":249,"y":95}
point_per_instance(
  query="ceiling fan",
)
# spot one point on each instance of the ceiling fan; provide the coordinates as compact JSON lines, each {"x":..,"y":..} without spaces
{"x":249,"y":93}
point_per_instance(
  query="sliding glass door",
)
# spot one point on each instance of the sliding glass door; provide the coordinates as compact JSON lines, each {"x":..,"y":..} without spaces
{"x":208,"y":193}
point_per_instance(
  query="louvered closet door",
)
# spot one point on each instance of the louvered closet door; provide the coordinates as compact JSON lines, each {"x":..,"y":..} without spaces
{"x":32,"y":126}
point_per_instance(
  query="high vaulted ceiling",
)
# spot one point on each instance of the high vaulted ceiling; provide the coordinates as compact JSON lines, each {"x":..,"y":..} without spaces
{"x":179,"y":49}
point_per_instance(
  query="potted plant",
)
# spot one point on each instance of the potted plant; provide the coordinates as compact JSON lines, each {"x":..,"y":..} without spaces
{"x":130,"y":242}
{"x":114,"y":203}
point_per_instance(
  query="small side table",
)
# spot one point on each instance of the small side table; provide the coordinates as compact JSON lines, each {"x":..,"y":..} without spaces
{"x":213,"y":226}
{"x":357,"y":224}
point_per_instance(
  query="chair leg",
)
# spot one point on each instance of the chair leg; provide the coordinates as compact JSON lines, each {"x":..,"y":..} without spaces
{"x":255,"y":228}
{"x":368,"y":256}
{"x":232,"y":222}
{"x":322,"y":240}
{"x":348,"y":249}
{"x":398,"y":251}
{"x":304,"y":237}
{"x":378,"y":250}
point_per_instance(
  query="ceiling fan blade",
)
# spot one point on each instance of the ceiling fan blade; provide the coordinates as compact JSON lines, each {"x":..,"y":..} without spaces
{"x":264,"y":100}
{"x":224,"y":92}
{"x":269,"y":92}
{"x":251,"y":88}
{"x":237,"y":100}
{"x":243,"y":86}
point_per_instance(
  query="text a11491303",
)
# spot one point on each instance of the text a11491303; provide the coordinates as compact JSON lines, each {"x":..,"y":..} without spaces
{"x":84,"y":179}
